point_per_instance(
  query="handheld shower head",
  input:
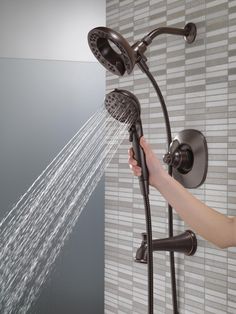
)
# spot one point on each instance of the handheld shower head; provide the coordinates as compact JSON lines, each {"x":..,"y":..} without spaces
{"x":112,"y":50}
{"x":123,"y":106}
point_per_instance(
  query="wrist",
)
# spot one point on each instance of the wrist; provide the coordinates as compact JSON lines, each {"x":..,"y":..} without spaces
{"x":160,"y":179}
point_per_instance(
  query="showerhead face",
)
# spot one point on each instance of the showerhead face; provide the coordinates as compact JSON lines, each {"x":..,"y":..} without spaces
{"x":112,"y":50}
{"x":123,"y":106}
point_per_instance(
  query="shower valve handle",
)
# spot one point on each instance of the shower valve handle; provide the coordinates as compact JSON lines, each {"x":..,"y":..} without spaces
{"x":179,"y":156}
{"x":173,"y":156}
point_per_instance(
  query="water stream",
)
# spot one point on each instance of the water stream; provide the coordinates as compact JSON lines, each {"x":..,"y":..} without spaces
{"x":35,"y":230}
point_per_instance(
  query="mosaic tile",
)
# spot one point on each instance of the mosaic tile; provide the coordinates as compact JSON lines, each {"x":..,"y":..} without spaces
{"x":198,"y":82}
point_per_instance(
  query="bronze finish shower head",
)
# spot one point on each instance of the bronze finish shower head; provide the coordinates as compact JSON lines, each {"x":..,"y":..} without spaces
{"x":115,"y":53}
{"x":123,"y":106}
{"x":112,"y":50}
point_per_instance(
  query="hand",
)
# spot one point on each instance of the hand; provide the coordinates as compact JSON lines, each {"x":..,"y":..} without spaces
{"x":154,"y":166}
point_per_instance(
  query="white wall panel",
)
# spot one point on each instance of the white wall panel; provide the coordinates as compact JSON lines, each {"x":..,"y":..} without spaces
{"x":48,"y":29}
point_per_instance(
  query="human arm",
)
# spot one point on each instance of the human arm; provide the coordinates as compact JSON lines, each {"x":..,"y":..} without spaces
{"x":207,"y":222}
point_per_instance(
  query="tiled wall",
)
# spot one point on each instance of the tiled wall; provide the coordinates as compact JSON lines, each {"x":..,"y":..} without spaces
{"x":199,"y":84}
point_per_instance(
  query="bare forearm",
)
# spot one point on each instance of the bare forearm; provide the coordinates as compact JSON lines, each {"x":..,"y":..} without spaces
{"x":211,"y":225}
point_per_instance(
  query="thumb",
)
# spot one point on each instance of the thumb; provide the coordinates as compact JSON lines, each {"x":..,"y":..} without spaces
{"x":144,"y":145}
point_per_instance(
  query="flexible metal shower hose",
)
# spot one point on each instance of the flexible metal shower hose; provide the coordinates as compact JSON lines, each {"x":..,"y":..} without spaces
{"x":150,"y":253}
{"x":145,"y":69}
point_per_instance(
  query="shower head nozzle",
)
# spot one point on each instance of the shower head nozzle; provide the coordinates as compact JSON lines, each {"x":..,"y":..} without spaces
{"x":123,"y":106}
{"x":112,"y":50}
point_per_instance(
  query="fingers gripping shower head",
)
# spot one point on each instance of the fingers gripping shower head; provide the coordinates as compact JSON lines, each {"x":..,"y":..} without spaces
{"x":112,"y":50}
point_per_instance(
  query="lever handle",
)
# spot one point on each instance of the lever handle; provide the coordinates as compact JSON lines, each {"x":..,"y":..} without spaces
{"x":179,"y":156}
{"x":174,"y":145}
{"x":172,"y":158}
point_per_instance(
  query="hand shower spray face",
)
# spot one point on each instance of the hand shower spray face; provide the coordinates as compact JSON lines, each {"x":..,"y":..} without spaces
{"x":123,"y":106}
{"x":101,"y":41}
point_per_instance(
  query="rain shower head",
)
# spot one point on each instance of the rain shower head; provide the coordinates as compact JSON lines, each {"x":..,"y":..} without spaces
{"x":115,"y":53}
{"x":112,"y":50}
{"x":123,"y":106}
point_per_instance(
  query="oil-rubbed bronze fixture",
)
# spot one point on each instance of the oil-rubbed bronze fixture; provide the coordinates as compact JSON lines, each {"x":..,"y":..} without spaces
{"x":115,"y":53}
{"x":185,"y":242}
{"x":122,"y":106}
{"x":188,"y":155}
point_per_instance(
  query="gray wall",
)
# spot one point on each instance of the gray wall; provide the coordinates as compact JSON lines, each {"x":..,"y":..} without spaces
{"x":42,"y":105}
{"x":198,"y":82}
{"x":54,"y":30}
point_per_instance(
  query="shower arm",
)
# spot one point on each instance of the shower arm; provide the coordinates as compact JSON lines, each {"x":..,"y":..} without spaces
{"x":189,"y":32}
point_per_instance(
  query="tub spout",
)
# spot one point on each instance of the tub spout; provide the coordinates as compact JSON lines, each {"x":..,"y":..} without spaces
{"x":185,"y":242}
